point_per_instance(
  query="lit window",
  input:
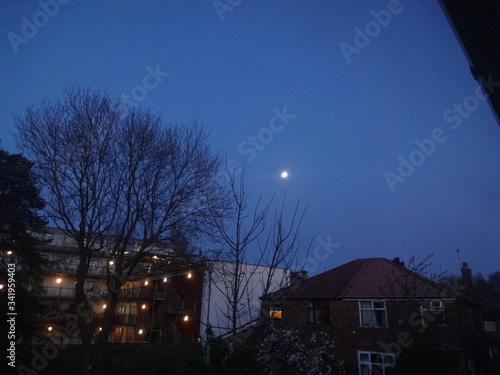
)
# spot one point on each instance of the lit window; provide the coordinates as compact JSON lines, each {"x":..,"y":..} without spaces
{"x":433,"y":312}
{"x":372,"y":314}
{"x":276,"y":311}
{"x":372,"y":363}
{"x":318,"y":311}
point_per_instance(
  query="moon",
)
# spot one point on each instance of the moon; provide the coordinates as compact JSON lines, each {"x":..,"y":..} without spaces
{"x":284,"y":174}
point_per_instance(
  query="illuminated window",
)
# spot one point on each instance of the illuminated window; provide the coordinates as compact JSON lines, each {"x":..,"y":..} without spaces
{"x":433,"y":312}
{"x":318,"y":312}
{"x":372,"y":314}
{"x":372,"y":363}
{"x":276,"y":311}
{"x":90,"y":286}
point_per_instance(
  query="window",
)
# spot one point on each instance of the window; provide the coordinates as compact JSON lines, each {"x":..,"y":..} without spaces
{"x":276,"y":311}
{"x":433,"y":312}
{"x":373,"y":314}
{"x":490,"y":326}
{"x":90,"y":286}
{"x":372,"y":363}
{"x":318,"y":312}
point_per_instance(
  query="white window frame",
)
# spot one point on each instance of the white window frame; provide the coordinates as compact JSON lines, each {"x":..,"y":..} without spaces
{"x":374,"y":364}
{"x":374,"y":309}
{"x":435,"y":305}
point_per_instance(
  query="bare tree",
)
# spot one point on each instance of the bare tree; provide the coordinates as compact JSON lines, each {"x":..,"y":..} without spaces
{"x":111,"y":175}
{"x":252,"y":249}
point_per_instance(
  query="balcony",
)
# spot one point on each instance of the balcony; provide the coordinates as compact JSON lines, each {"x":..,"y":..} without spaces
{"x":180,"y":306}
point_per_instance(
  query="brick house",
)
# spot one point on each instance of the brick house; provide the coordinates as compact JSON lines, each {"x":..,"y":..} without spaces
{"x":385,"y":319}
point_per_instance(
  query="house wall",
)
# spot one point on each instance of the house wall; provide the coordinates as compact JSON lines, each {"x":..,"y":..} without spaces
{"x":406,"y":331}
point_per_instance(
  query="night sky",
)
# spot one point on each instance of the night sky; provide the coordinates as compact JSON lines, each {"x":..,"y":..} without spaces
{"x":369,"y":105}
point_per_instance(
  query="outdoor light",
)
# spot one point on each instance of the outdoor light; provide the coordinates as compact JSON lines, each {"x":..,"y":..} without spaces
{"x":143,"y":306}
{"x":59,"y":281}
{"x":165,"y":279}
{"x":146,"y":282}
{"x":140,"y":332}
{"x":49,"y":328}
{"x":190,"y":275}
{"x":104,"y":306}
{"x":100,"y":328}
{"x":1,"y":286}
{"x":186,"y":318}
{"x":111,"y":262}
{"x":9,"y":252}
{"x":155,"y":257}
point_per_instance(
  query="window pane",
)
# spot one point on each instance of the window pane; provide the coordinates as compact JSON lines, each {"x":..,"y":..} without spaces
{"x":368,"y":318}
{"x":380,"y":314}
{"x":365,"y":370}
{"x":378,"y":305}
{"x":366,"y":304}
{"x":364,"y":357}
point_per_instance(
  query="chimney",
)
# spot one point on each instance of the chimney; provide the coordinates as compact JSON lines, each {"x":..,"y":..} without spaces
{"x":466,"y":274}
{"x":298,"y":278}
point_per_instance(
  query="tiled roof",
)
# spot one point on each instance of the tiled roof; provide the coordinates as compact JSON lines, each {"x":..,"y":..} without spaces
{"x":372,"y":278}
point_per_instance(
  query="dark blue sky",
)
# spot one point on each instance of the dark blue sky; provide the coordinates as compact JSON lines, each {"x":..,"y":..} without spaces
{"x":349,"y":121}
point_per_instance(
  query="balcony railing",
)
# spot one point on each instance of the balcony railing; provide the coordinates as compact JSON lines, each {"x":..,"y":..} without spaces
{"x":180,"y":306}
{"x":70,"y":293}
